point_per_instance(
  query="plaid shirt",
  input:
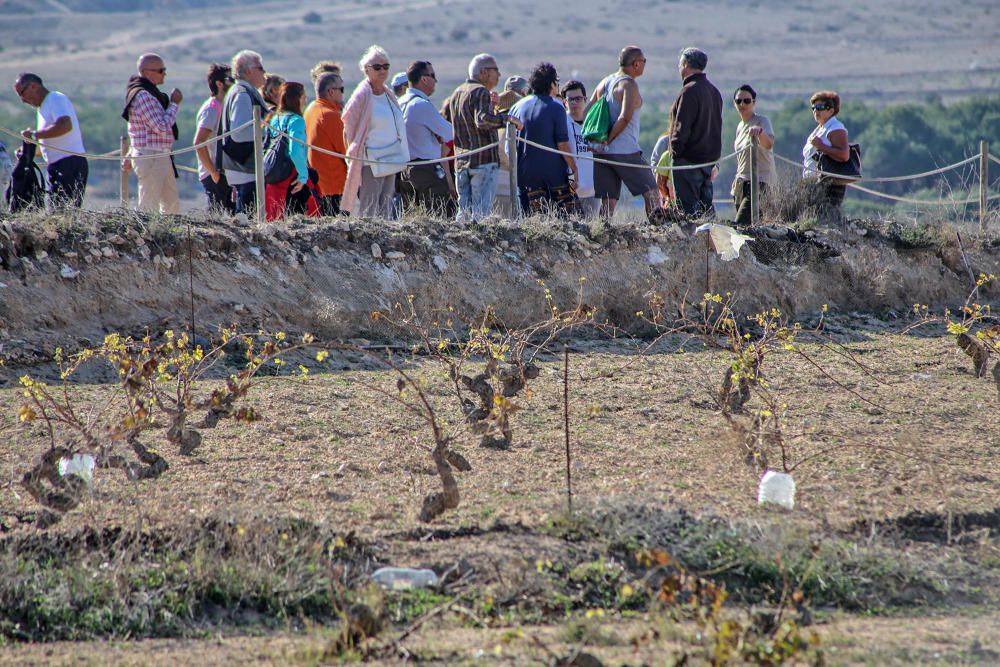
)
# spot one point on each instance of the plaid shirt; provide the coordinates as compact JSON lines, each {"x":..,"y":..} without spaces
{"x":150,"y":125}
{"x":470,"y":111}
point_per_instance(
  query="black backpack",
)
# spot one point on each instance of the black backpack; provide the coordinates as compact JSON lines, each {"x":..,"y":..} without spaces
{"x":27,"y":185}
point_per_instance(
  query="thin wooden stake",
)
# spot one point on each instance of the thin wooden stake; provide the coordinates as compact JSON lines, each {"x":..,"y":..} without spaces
{"x":569,"y":478}
{"x":984,"y":171}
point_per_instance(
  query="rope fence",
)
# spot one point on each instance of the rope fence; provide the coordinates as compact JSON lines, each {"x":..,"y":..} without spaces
{"x":115,"y":155}
{"x":983,"y":158}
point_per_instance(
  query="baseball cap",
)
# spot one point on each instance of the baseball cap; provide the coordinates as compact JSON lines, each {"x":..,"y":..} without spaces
{"x":399,"y":79}
{"x":517,"y":83}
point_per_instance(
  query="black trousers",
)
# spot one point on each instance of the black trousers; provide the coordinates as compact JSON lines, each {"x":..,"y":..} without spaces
{"x":68,"y":181}
{"x":219,"y":195}
{"x":329,"y":205}
{"x":741,"y":201}
{"x":694,"y":189}
{"x":425,"y":185}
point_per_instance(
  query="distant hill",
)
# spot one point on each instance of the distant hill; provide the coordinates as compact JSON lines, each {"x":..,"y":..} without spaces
{"x":9,"y":7}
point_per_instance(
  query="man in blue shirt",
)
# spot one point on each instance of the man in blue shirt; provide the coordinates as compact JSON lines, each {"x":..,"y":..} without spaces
{"x":427,"y":133}
{"x":543,"y":177}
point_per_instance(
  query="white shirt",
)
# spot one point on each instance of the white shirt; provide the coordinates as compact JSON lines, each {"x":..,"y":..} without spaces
{"x":55,"y":106}
{"x":208,"y":118}
{"x":584,"y":168}
{"x":809,"y":151}
{"x":382,"y":131}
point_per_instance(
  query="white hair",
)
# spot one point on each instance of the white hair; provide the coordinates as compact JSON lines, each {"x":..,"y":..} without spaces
{"x":371,"y":53}
{"x":243,"y":60}
{"x":478,"y":62}
{"x":145,"y":60}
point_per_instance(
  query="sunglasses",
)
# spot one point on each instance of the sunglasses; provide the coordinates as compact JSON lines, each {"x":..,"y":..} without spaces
{"x":432,"y":75}
{"x":383,"y":67}
{"x":340,"y":88}
{"x":821,"y":107}
{"x":160,"y":70}
{"x":744,"y":100}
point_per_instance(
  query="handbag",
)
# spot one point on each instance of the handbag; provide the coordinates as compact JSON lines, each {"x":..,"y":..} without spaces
{"x":844,"y":172}
{"x":395,"y":153}
{"x":278,"y":165}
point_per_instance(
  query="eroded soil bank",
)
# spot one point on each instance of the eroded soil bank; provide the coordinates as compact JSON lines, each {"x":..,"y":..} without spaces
{"x":69,"y":282}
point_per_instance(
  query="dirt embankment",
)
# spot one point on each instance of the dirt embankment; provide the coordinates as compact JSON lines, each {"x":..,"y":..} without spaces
{"x":70,"y":284}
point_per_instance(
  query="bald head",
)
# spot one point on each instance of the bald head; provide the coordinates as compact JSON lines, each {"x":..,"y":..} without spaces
{"x":148,"y":61}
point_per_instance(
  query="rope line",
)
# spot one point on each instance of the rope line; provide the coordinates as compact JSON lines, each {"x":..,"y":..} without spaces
{"x":362,"y":160}
{"x":923,"y":202}
{"x":882,"y":179}
{"x":625,"y":164}
{"x":114,"y":155}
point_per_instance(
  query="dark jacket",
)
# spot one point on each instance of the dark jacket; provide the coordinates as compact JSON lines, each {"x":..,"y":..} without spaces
{"x":696,"y":122}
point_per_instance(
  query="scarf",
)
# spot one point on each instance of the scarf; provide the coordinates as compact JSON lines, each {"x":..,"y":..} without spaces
{"x":137,"y":83}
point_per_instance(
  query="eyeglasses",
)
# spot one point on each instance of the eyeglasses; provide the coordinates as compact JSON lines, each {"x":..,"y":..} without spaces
{"x":744,"y":100}
{"x":229,"y":79}
{"x":575,"y":98}
{"x":340,"y":88}
{"x":822,"y":106}
{"x":384,"y":67}
{"x":158,"y":70}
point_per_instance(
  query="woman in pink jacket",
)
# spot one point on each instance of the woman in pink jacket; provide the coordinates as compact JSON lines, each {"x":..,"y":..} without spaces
{"x":373,"y":130}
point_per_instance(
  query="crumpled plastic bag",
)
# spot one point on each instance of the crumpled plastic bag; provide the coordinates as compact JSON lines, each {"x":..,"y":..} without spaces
{"x":727,"y":241}
{"x":81,"y":465}
{"x":777,"y":488}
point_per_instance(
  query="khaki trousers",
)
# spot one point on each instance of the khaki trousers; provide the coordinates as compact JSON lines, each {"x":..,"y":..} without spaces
{"x":157,"y":183}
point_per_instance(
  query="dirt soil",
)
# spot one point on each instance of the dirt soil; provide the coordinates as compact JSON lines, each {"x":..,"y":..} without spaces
{"x":68,"y":282}
{"x":896,"y":450}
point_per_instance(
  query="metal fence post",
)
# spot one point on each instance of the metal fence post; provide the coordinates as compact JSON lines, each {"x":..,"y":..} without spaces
{"x":123,"y":183}
{"x":754,"y":183}
{"x":258,"y":162}
{"x":515,"y":196}
{"x":984,"y":181}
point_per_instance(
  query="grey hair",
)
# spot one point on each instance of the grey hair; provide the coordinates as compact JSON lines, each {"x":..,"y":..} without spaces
{"x":694,"y":58}
{"x":325,"y":82}
{"x":478,"y":62}
{"x":371,"y":53}
{"x":243,"y":60}
{"x":145,"y":59}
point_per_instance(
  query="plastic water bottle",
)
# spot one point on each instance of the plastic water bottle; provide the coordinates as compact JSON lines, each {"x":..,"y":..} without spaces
{"x":403,"y":578}
{"x":777,"y":488}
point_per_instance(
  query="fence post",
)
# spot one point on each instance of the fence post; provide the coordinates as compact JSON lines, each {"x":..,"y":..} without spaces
{"x":984,"y":181}
{"x":123,"y":183}
{"x":754,"y":184}
{"x":258,"y":162}
{"x":515,"y":196}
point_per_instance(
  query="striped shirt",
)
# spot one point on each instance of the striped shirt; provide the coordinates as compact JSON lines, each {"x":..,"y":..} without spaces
{"x":470,"y":111}
{"x":150,"y":125}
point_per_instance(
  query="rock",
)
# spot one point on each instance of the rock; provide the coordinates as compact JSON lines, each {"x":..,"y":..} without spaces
{"x":68,"y":272}
{"x":341,"y":225}
{"x":439,"y":263}
{"x":69,"y":254}
{"x":394,"y":254}
{"x":107,"y":252}
{"x":376,"y":251}
{"x":157,"y":260}
{"x":452,"y":249}
{"x":655,"y":255}
{"x":255,"y":251}
{"x":239,"y":308}
{"x":95,"y":252}
{"x":117,"y":240}
{"x":40,"y":255}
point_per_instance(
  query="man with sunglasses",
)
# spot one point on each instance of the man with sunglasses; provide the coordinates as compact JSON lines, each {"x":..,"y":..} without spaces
{"x":471,"y":112}
{"x":695,"y":134}
{"x":427,"y":134}
{"x":152,"y":130}
{"x":214,"y":181}
{"x":57,"y":128}
{"x":236,"y":151}
{"x":325,"y":129}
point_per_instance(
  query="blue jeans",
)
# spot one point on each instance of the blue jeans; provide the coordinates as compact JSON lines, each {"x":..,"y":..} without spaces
{"x":246,"y":197}
{"x":477,"y":187}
